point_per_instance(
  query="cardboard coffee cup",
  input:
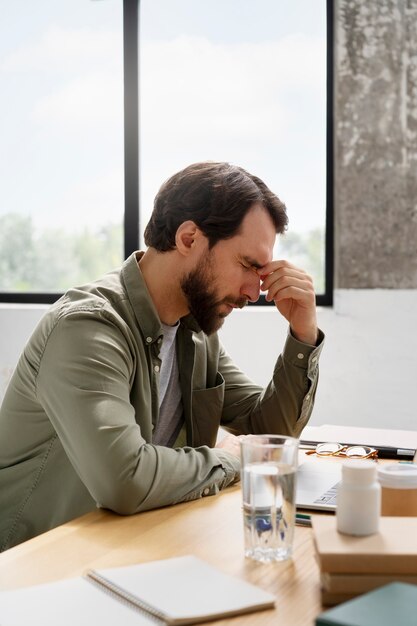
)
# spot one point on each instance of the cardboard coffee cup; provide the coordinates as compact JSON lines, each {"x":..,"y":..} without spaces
{"x":398,"y":489}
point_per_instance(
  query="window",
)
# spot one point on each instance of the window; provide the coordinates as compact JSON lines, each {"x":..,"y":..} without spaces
{"x":61,"y":153}
{"x":245,"y":82}
{"x":232,"y":80}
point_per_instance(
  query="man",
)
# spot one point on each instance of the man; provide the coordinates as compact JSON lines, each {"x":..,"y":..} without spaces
{"x":118,"y":396}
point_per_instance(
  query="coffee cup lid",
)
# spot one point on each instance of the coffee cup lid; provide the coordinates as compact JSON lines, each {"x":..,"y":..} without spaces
{"x":398,"y":475}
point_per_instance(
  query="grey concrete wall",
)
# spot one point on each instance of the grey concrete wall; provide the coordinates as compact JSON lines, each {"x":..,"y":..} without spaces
{"x":376,"y":143}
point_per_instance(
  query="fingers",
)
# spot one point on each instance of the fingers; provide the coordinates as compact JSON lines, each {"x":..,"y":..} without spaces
{"x":292,"y":291}
{"x":231,"y":443}
{"x":283,"y":280}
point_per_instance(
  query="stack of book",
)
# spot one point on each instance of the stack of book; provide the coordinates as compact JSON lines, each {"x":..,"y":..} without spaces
{"x":350,"y":566}
{"x":390,"y":605}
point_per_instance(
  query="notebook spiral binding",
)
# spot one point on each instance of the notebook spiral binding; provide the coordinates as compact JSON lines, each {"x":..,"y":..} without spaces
{"x":127,"y":598}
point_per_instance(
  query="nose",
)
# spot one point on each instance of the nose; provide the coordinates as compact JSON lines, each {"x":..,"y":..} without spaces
{"x":252,"y":288}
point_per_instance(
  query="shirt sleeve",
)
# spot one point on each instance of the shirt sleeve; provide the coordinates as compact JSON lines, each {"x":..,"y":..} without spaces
{"x":285,"y":405}
{"x":83,"y":385}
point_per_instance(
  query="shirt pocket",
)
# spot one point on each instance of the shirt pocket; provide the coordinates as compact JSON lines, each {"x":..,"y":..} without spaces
{"x":207,"y":408}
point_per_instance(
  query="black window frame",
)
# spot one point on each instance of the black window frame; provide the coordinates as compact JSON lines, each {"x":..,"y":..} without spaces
{"x":131,"y":19}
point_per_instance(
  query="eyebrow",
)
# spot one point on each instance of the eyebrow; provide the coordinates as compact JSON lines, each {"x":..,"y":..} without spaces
{"x":252,"y":262}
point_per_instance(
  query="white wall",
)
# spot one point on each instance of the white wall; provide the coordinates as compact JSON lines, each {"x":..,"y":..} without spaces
{"x":368,"y":365}
{"x":16,"y":325}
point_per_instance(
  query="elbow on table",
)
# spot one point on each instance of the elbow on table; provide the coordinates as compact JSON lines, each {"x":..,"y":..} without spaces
{"x":126,"y":499}
{"x":122,"y":504}
{"x":129,"y":487}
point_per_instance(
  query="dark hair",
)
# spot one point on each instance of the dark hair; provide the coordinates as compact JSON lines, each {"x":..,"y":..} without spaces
{"x":216,"y":196}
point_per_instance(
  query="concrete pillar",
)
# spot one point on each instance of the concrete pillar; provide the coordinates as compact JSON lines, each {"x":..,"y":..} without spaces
{"x":376,"y":144}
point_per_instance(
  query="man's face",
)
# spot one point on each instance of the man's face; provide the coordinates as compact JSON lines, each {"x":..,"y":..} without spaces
{"x":225,"y":277}
{"x":203,"y":299}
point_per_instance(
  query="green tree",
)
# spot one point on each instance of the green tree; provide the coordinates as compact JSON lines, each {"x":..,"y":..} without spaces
{"x":17,"y":252}
{"x":53,"y":260}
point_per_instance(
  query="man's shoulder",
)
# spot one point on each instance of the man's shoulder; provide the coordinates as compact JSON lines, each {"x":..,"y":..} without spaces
{"x":105,"y":294}
{"x":103,"y":300}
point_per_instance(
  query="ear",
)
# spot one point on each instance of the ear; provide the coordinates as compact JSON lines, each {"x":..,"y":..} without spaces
{"x":188,"y":237}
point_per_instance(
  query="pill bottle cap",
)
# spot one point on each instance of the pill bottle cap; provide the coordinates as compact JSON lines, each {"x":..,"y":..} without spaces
{"x":398,"y":475}
{"x":359,"y":472}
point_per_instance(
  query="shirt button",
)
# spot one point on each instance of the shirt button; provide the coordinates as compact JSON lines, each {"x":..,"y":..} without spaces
{"x":300,"y":355}
{"x":156,"y":368}
{"x":206,"y":491}
{"x":148,"y":339}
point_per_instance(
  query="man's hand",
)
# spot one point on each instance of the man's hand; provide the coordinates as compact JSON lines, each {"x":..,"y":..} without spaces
{"x":231,"y":443}
{"x":293,"y":293}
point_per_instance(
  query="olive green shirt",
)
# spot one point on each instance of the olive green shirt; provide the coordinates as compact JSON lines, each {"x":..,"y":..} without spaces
{"x":77,"y":418}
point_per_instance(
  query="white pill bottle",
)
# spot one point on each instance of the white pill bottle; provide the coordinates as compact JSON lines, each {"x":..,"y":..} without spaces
{"x":358,"y":498}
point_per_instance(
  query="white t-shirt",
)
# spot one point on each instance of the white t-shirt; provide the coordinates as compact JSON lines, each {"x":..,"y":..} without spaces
{"x":169,"y":422}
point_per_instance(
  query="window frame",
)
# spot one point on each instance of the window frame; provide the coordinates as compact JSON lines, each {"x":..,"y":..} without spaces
{"x":131,"y":20}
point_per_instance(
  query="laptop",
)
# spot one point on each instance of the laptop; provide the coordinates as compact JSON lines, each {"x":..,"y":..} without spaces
{"x":317,"y":482}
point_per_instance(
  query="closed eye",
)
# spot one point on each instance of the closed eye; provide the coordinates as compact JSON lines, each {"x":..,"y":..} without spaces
{"x":249,"y":263}
{"x":251,"y":268}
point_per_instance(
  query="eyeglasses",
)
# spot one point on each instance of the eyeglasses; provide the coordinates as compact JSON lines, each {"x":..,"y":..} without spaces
{"x":350,"y":452}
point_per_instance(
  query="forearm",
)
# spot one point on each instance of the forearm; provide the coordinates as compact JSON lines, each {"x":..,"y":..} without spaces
{"x":285,"y":405}
{"x":86,"y":397}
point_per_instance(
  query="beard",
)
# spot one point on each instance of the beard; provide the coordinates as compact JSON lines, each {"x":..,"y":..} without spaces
{"x":203,"y":301}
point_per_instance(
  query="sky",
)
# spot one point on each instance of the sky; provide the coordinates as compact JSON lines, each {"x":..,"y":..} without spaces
{"x":222,"y":80}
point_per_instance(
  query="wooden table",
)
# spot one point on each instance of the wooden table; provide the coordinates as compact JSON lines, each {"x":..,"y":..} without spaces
{"x":210,"y":528}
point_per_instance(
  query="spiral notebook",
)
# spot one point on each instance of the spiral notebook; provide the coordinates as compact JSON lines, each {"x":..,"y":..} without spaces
{"x":182,"y":590}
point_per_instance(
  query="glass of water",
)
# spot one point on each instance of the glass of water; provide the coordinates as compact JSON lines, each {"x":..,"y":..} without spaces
{"x":269,"y":468}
